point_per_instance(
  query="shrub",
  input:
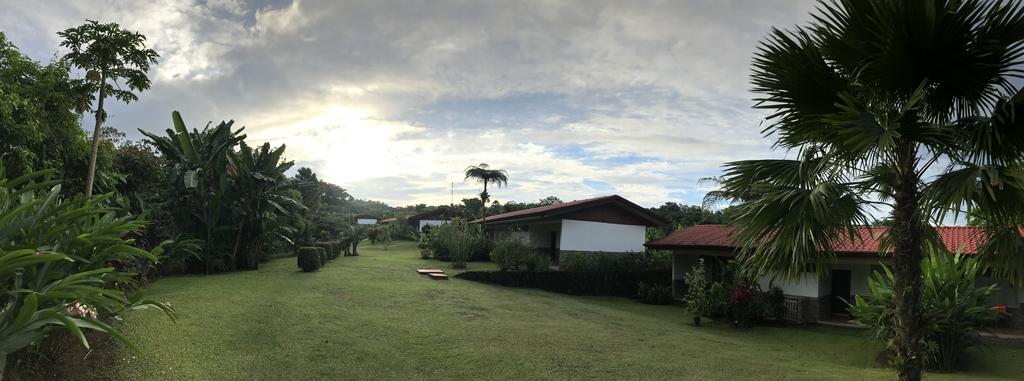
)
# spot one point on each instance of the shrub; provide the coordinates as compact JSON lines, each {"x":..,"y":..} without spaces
{"x":538,"y":261}
{"x":743,"y":307}
{"x":327,"y":248}
{"x":772,"y":304}
{"x":718,"y":300}
{"x":620,"y":283}
{"x":654,"y":293}
{"x":633,"y":261}
{"x":459,"y":238}
{"x":953,"y":307}
{"x":322,"y":254}
{"x":511,"y":254}
{"x":59,"y":260}
{"x":460,"y":247}
{"x":309,"y":259}
{"x":697,"y":300}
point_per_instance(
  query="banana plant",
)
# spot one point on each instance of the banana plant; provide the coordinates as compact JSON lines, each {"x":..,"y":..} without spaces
{"x":201,"y":171}
{"x":258,"y":193}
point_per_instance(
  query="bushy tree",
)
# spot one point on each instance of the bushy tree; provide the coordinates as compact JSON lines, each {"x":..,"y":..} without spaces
{"x":39,"y":125}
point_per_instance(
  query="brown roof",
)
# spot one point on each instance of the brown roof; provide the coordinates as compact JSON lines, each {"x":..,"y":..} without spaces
{"x":444,"y":213}
{"x":554,"y":210}
{"x":967,"y":239}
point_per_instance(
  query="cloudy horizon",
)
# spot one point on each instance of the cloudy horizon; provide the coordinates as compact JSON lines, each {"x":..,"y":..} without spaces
{"x":393,"y":100}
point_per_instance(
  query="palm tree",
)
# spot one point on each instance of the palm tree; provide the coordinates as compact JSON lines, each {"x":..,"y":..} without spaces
{"x":898,"y":106}
{"x":484,"y":174}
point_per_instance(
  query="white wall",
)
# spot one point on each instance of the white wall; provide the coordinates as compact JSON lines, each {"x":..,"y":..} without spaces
{"x":432,"y":223}
{"x":600,"y":236}
{"x":366,"y":221}
{"x":808,"y":285}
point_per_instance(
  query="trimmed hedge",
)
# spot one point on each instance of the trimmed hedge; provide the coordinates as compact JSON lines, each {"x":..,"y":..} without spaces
{"x":326,"y":246}
{"x":323,"y":254}
{"x":603,"y":283}
{"x":309,"y":258}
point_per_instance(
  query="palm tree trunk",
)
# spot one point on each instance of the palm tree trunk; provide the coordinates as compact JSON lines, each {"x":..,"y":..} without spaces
{"x":90,"y":176}
{"x":906,"y":234}
{"x":483,"y":206}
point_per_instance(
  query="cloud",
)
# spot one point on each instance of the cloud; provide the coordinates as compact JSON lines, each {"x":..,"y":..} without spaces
{"x":392,"y":100}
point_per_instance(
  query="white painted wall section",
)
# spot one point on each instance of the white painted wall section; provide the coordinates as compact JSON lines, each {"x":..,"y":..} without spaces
{"x":600,"y":236}
{"x":432,"y":223}
{"x":808,"y":285}
{"x":366,"y":221}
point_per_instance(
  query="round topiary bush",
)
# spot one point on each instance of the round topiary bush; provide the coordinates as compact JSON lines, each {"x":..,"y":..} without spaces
{"x":309,"y":259}
{"x":323,"y":255}
{"x":328,"y":249}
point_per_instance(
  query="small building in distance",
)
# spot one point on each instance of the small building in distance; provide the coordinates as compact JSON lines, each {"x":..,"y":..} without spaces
{"x":365,"y":219}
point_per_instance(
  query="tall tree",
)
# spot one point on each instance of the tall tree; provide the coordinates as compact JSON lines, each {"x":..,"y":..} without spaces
{"x":874,"y":95}
{"x":108,"y":54}
{"x":39,"y":127}
{"x":549,"y":200}
{"x":484,"y":174}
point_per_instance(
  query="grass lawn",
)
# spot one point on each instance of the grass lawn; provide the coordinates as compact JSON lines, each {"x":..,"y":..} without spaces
{"x":372,"y":317}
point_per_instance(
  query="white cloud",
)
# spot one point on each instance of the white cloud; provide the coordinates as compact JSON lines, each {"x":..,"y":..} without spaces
{"x":353,"y":88}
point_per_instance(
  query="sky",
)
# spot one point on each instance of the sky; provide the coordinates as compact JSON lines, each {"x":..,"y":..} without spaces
{"x":393,"y":100}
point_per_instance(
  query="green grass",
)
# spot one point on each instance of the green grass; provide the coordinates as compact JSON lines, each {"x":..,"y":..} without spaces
{"x":372,"y":317}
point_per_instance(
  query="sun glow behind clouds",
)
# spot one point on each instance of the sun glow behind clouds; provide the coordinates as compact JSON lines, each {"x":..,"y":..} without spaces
{"x":346,"y":143}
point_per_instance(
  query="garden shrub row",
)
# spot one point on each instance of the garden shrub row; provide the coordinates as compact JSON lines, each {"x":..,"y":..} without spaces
{"x":513,"y":254}
{"x":312,"y":258}
{"x":599,"y":283}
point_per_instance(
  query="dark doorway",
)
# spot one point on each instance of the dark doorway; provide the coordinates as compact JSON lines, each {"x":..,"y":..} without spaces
{"x":840,"y":291}
{"x":554,"y":247}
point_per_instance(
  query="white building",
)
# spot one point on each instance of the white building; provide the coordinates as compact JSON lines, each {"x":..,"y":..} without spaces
{"x":820,"y":296}
{"x":366,"y":220}
{"x":609,"y":225}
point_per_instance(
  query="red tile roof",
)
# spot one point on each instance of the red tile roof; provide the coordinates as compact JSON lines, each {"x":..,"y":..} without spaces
{"x":546,"y":210}
{"x":720,"y":237}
